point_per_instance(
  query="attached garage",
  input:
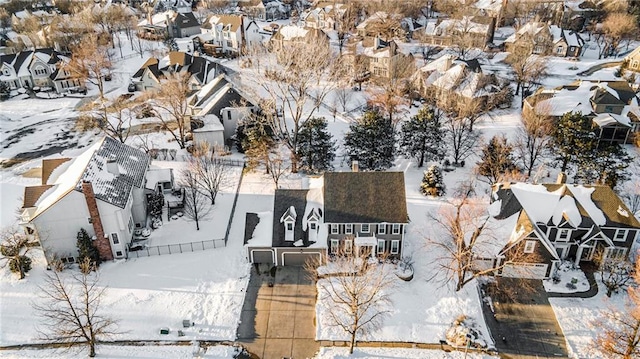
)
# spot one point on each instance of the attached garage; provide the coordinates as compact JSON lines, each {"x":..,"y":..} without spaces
{"x":525,"y":270}
{"x":262,"y":256}
{"x":298,"y":259}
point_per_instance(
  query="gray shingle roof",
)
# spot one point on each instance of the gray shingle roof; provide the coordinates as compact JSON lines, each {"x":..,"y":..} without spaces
{"x":132,"y":165}
{"x":283,"y":201}
{"x":365,"y":197}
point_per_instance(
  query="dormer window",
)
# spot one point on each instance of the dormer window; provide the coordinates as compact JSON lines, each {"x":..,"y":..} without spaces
{"x":289,"y":221}
{"x":563,"y":235}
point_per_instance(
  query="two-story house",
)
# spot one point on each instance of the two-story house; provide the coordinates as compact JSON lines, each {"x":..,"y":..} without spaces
{"x":325,"y":16}
{"x":560,"y":222}
{"x":449,"y":77}
{"x":102,"y":190}
{"x":380,"y":58}
{"x":613,"y":106}
{"x":290,"y":34}
{"x":153,"y":71}
{"x":363,"y":213}
{"x":468,"y":31}
{"x":37,"y":68}
{"x":229,"y":34}
{"x":168,"y":24}
{"x":265,"y":10}
{"x":633,"y":60}
{"x":544,"y":39}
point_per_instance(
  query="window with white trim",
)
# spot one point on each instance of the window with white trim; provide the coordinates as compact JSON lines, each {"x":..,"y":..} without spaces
{"x":563,"y":235}
{"x":395,"y":246}
{"x":114,"y":238}
{"x":334,"y":246}
{"x":365,"y":228}
{"x":382,"y":229}
{"x":334,"y":228}
{"x":395,"y":229}
{"x":118,"y":253}
{"x":621,"y":235}
{"x":289,"y":226}
{"x":381,"y":246}
{"x":348,"y":228}
{"x":617,"y":253}
{"x":313,"y":226}
{"x":347,"y":246}
{"x":529,"y":246}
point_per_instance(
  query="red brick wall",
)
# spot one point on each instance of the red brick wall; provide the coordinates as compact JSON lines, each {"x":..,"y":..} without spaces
{"x":101,"y":242}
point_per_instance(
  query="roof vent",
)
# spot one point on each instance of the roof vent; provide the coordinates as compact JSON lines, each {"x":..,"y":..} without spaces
{"x":113,"y":167}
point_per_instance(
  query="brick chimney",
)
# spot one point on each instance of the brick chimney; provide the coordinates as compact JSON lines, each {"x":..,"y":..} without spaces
{"x":354,"y":166}
{"x":101,"y":242}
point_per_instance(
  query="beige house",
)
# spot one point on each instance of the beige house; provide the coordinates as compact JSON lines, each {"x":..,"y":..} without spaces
{"x":469,"y":31}
{"x":324,"y":16}
{"x":381,"y":57}
{"x":633,"y":60}
{"x":543,"y":39}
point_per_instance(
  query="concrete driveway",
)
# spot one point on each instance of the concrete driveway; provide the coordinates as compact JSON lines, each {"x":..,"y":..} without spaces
{"x":278,"y":322}
{"x":526,"y":326}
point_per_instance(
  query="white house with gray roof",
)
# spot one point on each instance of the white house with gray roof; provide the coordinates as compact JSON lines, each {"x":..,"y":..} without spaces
{"x":102,"y":190}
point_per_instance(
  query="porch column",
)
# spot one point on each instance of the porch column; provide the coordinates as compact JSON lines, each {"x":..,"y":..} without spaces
{"x":578,"y":256}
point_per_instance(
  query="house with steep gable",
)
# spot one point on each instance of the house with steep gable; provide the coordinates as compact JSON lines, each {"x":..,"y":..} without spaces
{"x":613,"y":106}
{"x":340,"y":213}
{"x":229,"y":34}
{"x":544,"y":39}
{"x":102,"y":190}
{"x":560,"y":222}
{"x":37,"y":68}
{"x":291,"y":34}
{"x":633,"y":60}
{"x":168,"y":24}
{"x":324,"y":16}
{"x":153,"y":71}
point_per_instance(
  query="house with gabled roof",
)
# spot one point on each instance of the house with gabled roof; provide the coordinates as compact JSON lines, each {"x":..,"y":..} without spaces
{"x":544,"y":39}
{"x":151,"y":73}
{"x":340,"y":213}
{"x":633,"y":60}
{"x":613,"y":106}
{"x":560,"y":222}
{"x":167,"y":24}
{"x":474,"y":31}
{"x":37,"y":68}
{"x":324,"y":16}
{"x":102,"y":190}
{"x":229,"y":34}
{"x":290,"y":34}
{"x":380,"y":57}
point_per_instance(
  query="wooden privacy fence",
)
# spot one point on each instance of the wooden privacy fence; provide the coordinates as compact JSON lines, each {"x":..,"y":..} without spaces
{"x":177,"y":248}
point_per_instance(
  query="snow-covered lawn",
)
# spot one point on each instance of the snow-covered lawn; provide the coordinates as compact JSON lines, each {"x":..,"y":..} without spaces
{"x":122,"y":352}
{"x":387,"y":353}
{"x":577,"y":318}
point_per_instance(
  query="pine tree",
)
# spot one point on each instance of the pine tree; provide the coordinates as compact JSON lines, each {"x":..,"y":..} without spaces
{"x":371,"y":141}
{"x":496,"y":159}
{"x":422,"y":137}
{"x":86,"y":249}
{"x":316,"y":148}
{"x":433,"y":182}
{"x":606,"y":164}
{"x":573,"y":139}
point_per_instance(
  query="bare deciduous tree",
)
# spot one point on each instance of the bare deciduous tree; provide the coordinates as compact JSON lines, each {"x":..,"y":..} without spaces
{"x":532,"y":139}
{"x":619,"y":331}
{"x":528,"y":70}
{"x":114,"y":119}
{"x":357,"y":296}
{"x":463,"y":232}
{"x":463,"y":140}
{"x":71,"y":308}
{"x":171,"y":106}
{"x":342,"y":96}
{"x":90,"y":62}
{"x":197,"y":205}
{"x":276,"y":165}
{"x":615,"y":273}
{"x":389,"y":95}
{"x":298,"y":75}
{"x":14,"y":247}
{"x":616,"y":28}
{"x":210,"y":170}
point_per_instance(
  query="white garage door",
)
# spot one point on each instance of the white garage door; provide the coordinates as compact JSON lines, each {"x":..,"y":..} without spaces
{"x":525,"y":270}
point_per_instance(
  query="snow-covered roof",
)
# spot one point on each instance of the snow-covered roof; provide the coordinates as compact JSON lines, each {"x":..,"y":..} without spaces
{"x":290,"y":32}
{"x":211,"y":124}
{"x":466,"y":25}
{"x":92,"y":166}
{"x":464,"y":77}
{"x":607,"y":119}
{"x":159,"y":19}
{"x":377,"y":16}
{"x":261,"y":236}
{"x":157,"y":175}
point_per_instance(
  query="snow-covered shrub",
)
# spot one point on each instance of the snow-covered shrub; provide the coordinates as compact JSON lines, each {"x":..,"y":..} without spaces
{"x":463,"y":332}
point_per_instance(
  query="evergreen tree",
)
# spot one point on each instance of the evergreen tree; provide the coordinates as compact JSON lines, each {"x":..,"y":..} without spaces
{"x":433,"y":182}
{"x":86,"y":249}
{"x":496,"y":159}
{"x":422,"y":137}
{"x":316,"y":148}
{"x":155,"y":204}
{"x":606,"y":164}
{"x":371,"y":141}
{"x":573,"y":139}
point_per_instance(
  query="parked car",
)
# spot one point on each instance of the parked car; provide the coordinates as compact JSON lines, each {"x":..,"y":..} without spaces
{"x":79,"y":89}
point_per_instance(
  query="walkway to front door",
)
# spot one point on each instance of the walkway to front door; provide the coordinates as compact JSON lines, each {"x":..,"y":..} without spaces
{"x":278,"y":322}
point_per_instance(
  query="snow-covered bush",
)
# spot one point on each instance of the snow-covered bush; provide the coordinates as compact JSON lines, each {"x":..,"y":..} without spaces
{"x":463,"y":332}
{"x":433,"y":182}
